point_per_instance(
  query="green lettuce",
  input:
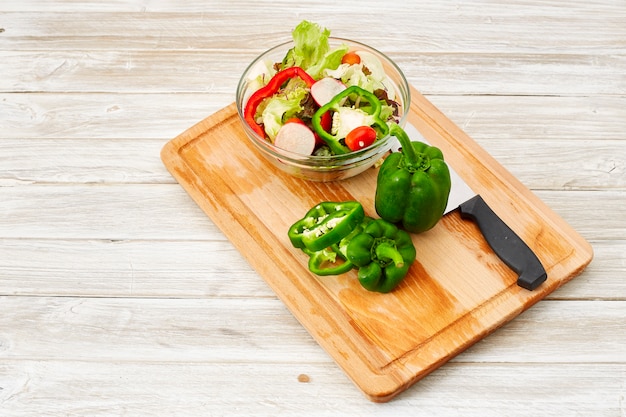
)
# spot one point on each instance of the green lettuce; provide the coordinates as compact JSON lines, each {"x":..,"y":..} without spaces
{"x":281,"y":107}
{"x":311,"y":50}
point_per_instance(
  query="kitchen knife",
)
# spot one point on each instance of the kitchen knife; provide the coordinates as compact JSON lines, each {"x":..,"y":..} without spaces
{"x":509,"y":247}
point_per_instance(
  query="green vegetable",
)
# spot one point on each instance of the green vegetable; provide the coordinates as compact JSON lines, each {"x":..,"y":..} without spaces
{"x":281,"y":107}
{"x":413,"y":185}
{"x":338,"y":237}
{"x":368,"y":74}
{"x":329,"y":261}
{"x":383,"y":253}
{"x":348,"y":117}
{"x":325,"y":225}
{"x":323,"y":234}
{"x":311,"y":50}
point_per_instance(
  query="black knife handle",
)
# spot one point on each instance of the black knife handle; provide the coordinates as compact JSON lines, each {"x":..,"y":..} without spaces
{"x":505,"y":243}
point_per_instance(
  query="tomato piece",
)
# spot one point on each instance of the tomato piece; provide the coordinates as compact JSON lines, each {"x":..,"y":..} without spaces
{"x":360,"y":137}
{"x":351,"y":58}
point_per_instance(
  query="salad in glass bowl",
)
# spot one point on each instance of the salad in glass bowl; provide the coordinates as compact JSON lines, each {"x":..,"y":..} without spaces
{"x":320,"y":108}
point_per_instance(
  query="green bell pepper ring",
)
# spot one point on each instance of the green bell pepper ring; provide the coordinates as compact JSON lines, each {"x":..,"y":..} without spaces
{"x":383,"y":253}
{"x":369,"y":104}
{"x":328,"y":261}
{"x":413,"y":185}
{"x":342,"y":246}
{"x":325,"y":225}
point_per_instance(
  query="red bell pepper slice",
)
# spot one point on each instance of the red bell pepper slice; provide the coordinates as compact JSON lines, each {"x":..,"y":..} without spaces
{"x":269,"y":90}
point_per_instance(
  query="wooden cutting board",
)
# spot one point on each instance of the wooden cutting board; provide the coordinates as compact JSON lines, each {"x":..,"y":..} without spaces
{"x":457,"y":291}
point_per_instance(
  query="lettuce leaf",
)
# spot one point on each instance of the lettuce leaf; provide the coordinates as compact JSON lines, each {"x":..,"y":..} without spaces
{"x":311,"y":50}
{"x":281,"y":107}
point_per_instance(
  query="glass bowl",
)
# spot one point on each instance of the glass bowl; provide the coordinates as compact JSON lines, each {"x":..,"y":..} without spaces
{"x":314,"y":167}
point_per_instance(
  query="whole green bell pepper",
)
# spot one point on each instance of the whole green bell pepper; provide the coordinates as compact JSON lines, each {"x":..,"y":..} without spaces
{"x":413,"y":185}
{"x":368,"y":114}
{"x":383,"y":253}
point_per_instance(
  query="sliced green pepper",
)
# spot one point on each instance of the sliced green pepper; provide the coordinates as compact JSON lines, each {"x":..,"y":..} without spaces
{"x":383,"y":253}
{"x":328,"y":261}
{"x":369,"y":108}
{"x":325,"y":225}
{"x":413,"y":186}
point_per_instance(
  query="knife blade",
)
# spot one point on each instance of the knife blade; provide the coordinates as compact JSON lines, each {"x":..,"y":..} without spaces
{"x":505,"y":243}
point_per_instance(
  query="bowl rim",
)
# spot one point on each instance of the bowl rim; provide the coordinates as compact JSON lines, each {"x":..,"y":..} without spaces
{"x":321,"y":160}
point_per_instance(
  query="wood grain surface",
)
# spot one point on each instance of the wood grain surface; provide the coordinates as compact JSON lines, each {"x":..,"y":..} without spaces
{"x":120,"y":296}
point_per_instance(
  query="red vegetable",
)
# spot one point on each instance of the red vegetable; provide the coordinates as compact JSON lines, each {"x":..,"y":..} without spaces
{"x":269,"y":90}
{"x":351,"y":58}
{"x":326,"y":123}
{"x":360,"y":137}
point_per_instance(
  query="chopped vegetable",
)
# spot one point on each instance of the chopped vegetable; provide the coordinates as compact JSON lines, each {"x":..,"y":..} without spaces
{"x":326,"y":224}
{"x":295,"y":136}
{"x":328,"y":261}
{"x":326,"y":89}
{"x":326,"y":123}
{"x":346,"y":118}
{"x":310,"y":75}
{"x":338,"y":237}
{"x":360,"y":137}
{"x":351,"y":58}
{"x":268,"y":91}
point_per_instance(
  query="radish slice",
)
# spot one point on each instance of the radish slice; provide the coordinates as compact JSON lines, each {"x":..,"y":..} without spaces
{"x":296,"y":137}
{"x":325,"y":89}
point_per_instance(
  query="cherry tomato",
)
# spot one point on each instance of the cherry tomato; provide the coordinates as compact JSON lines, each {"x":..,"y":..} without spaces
{"x":351,"y":58}
{"x":360,"y":137}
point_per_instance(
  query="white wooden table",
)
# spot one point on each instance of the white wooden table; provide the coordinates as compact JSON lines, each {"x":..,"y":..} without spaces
{"x":118,"y":296}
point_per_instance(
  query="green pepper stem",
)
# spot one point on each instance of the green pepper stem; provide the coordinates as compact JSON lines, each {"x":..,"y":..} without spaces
{"x":386,"y":250}
{"x":411,"y":157}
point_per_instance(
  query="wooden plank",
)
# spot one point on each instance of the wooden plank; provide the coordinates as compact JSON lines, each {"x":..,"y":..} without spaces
{"x":592,"y":165}
{"x":544,"y":28}
{"x":501,"y":120}
{"x":128,"y":268}
{"x":102,"y":211}
{"x":511,"y":119}
{"x":381,"y":359}
{"x":218,"y":71}
{"x":166,"y":345}
{"x":118,"y":212}
{"x":42,"y":142}
{"x":202,"y":268}
{"x":220,"y":329}
{"x":267,"y":389}
{"x":607,"y":213}
{"x":82,"y":161}
{"x":120,"y":116}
